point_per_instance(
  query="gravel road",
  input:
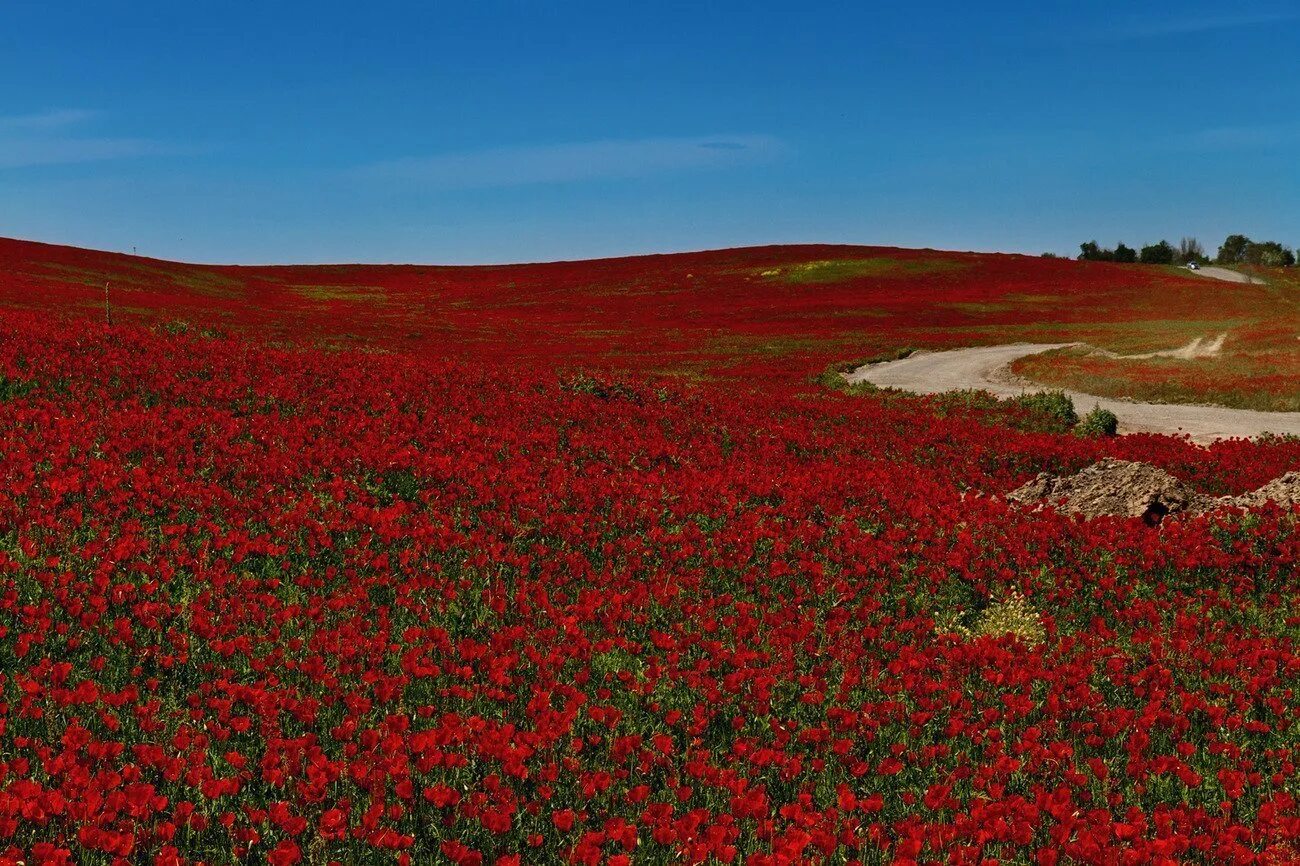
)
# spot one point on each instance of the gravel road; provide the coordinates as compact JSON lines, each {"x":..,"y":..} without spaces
{"x":985,"y":368}
{"x":1225,"y":274}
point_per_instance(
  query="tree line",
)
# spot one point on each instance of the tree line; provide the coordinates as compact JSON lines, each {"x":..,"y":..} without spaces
{"x":1235,"y":250}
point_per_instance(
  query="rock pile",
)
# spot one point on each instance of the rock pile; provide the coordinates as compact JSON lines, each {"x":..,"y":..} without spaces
{"x":1130,"y":489}
{"x":1116,"y":487}
{"x":1284,"y":490}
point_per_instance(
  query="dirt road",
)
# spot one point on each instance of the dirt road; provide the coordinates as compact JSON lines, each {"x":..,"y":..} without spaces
{"x":1230,"y":276}
{"x":985,"y":368}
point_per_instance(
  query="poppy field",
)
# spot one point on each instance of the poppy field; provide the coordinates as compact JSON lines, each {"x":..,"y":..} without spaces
{"x":770,"y":316}
{"x":583,"y":567}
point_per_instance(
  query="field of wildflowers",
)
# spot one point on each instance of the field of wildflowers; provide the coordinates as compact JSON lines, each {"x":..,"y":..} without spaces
{"x":773,"y":315}
{"x":443,"y":600}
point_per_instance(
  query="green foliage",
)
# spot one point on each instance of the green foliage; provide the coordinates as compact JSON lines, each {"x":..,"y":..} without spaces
{"x":1040,"y":412}
{"x":583,"y":384}
{"x":964,"y":399}
{"x":1241,"y":250}
{"x":1233,"y":250}
{"x":12,"y":389}
{"x":1268,"y":254}
{"x":1090,"y":252}
{"x":1013,"y":615}
{"x":1054,"y":408}
{"x":1099,"y":422}
{"x":833,"y":376}
{"x":1161,"y":253}
{"x":1190,"y":250}
{"x":838,"y":270}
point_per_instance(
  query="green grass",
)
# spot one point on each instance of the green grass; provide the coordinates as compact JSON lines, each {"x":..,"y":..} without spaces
{"x":1234,"y":381}
{"x":1124,"y":338}
{"x":93,"y":277}
{"x":138,"y":276}
{"x":196,"y":279}
{"x":369,"y":294}
{"x":839,"y":270}
{"x":764,"y":345}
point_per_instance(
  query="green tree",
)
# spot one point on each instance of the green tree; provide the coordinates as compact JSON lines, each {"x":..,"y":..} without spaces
{"x":1157,"y":254}
{"x":1232,"y":250}
{"x":1190,"y":250}
{"x":1269,"y":254}
{"x":1090,"y":252}
{"x":1125,"y":254}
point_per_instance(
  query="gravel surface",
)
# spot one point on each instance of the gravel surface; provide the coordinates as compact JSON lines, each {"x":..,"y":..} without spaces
{"x":1225,"y":274}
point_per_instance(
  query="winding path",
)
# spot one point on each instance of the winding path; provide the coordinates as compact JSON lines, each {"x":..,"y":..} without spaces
{"x":985,"y":368}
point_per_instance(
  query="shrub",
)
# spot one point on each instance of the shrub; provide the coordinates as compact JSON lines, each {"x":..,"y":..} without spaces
{"x":1270,"y":254}
{"x":1089,"y":251}
{"x":1161,"y":253}
{"x":963,"y":400}
{"x":1190,"y":250}
{"x":1014,"y":615}
{"x":1053,"y":408}
{"x":1098,"y":422}
{"x":1232,"y":250}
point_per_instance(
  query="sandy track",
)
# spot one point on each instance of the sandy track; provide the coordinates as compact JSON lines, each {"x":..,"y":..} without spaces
{"x":1225,"y":274}
{"x":985,"y":368}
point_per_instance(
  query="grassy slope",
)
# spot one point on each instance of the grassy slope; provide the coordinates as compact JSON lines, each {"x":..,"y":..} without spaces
{"x":1257,"y":368}
{"x":782,"y":313}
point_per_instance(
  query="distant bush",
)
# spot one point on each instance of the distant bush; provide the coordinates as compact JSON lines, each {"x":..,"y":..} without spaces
{"x":1190,"y":250}
{"x":1232,"y":250}
{"x":1091,"y":252}
{"x":1269,"y":254}
{"x":1053,"y":408}
{"x":1161,"y":253}
{"x":1241,"y":250}
{"x":964,"y":399}
{"x":1099,"y":422}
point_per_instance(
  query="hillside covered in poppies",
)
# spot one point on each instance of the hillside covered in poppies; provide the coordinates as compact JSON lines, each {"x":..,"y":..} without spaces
{"x":580,"y":563}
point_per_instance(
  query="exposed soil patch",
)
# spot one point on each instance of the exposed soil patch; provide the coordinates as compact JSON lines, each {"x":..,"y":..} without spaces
{"x":1285,"y":491}
{"x":1117,"y":487}
{"x":1226,"y":275}
{"x":1126,"y":488}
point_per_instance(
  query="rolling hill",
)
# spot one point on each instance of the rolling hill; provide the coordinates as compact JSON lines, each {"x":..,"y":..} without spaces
{"x":778,"y":313}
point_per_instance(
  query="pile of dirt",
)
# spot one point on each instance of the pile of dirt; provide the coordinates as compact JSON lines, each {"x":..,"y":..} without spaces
{"x":1116,"y":487}
{"x":1284,"y":490}
{"x":1127,"y":488}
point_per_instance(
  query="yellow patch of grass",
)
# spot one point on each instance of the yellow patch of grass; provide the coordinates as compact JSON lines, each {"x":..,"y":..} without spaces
{"x":839,"y":270}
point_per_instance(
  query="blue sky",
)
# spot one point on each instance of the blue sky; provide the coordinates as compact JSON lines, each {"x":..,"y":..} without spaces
{"x":482,"y":131}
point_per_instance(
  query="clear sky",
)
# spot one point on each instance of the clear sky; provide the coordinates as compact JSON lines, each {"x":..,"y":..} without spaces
{"x":478,"y":131}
